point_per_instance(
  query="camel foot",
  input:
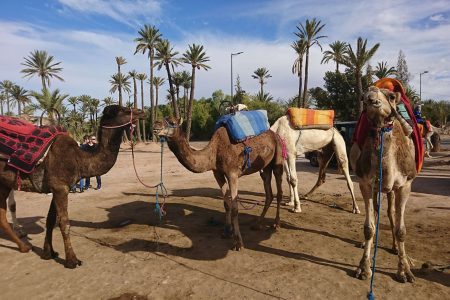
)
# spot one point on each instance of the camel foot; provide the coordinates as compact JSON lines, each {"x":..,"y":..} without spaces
{"x":295,"y":210}
{"x":290,"y":203}
{"x":406,"y":276}
{"x":363,"y":272}
{"x":305,"y":197}
{"x":276,"y":225}
{"x":356,"y":211}
{"x":72,"y":264}
{"x":238,"y":246}
{"x":49,"y":254}
{"x":24,"y":248}
{"x":394,"y":250}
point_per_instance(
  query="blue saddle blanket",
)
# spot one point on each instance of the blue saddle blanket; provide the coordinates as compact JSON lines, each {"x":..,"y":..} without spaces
{"x":244,"y":124}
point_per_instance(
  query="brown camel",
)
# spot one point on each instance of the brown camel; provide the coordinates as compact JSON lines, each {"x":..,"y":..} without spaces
{"x":399,"y":170}
{"x":63,"y":166}
{"x":226,"y":159}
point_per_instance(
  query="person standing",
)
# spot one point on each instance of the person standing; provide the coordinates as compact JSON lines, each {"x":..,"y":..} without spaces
{"x":83,"y":146}
{"x":91,"y":146}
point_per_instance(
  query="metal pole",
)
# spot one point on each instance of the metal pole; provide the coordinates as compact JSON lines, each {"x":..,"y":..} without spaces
{"x":420,"y":87}
{"x":232,"y":78}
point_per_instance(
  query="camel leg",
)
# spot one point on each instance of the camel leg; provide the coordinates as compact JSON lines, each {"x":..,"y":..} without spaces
{"x":49,"y":253}
{"x":391,"y":212}
{"x":364,"y":271}
{"x":292,"y":180}
{"x":233,"y":183}
{"x":324,"y":158}
{"x":60,"y":197}
{"x":12,"y":209}
{"x":266,"y":175}
{"x":4,"y":192}
{"x":401,"y":197}
{"x":278,"y":172}
{"x":220,"y":178}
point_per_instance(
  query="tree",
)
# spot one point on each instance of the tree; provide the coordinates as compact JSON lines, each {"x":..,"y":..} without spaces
{"x":261,"y":74}
{"x":107,"y":101}
{"x":120,"y":61}
{"x":49,"y":101}
{"x":118,"y":82}
{"x":266,"y":97}
{"x":177,"y":80}
{"x":335,"y":54}
{"x":2,"y":101}
{"x":310,"y":33}
{"x":41,"y":64}
{"x":133,"y":74}
{"x":356,"y":61}
{"x":402,"y":69}
{"x":149,"y":38}
{"x":186,"y":82}
{"x":196,"y":57}
{"x":21,"y":96}
{"x":157,"y":82}
{"x":73,"y":101}
{"x":382,"y":70}
{"x":6,"y":87}
{"x":141,"y":77}
{"x":300,"y":48}
{"x":165,"y":56}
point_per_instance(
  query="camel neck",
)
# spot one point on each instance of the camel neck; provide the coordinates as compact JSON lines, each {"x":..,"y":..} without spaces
{"x":195,"y":160}
{"x":101,"y":159}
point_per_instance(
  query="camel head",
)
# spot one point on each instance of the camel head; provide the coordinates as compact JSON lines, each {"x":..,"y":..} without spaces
{"x":115,"y":115}
{"x":381,"y":105}
{"x":168,"y":127}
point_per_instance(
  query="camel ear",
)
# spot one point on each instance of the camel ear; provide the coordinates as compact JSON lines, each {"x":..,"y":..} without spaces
{"x":395,"y":97}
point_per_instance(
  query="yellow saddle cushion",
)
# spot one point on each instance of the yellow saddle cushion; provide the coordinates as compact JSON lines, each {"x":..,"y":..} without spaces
{"x":302,"y":118}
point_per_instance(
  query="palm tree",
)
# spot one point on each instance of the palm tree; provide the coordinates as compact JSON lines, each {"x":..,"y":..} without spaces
{"x":49,"y":101}
{"x":196,"y":57}
{"x":95,"y":103}
{"x":2,"y":101}
{"x":266,"y":97}
{"x":165,"y":56}
{"x":335,"y":54}
{"x":120,"y":61}
{"x":177,"y":80}
{"x":141,"y":77}
{"x":133,"y":75}
{"x":356,"y":61}
{"x":300,"y":48}
{"x":6,"y":86}
{"x":186,"y":82}
{"x":21,"y":96}
{"x":41,"y":64}
{"x":309,"y":32}
{"x":157,"y":82}
{"x":73,"y":101}
{"x":149,"y":38}
{"x":261,"y":74}
{"x":118,"y":82}
{"x":108,"y":101}
{"x":382,"y":70}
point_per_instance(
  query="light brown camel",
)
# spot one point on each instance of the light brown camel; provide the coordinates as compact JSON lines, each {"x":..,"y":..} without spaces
{"x":399,"y":170}
{"x":226,"y":159}
{"x":63,"y":166}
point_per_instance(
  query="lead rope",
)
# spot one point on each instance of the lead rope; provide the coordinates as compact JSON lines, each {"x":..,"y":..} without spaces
{"x":371,"y":296}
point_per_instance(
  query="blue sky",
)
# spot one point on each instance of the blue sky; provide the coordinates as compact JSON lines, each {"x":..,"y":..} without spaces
{"x":86,"y":36}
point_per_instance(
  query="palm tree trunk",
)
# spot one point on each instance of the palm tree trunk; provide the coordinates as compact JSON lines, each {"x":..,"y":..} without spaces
{"x":142,"y":107}
{"x":300,"y":81}
{"x":120,"y":87}
{"x":359,"y":92}
{"x":337,"y":67}
{"x":138,"y":126}
{"x":1,"y":107}
{"x":44,"y":87}
{"x":152,"y":97}
{"x":7,"y":102}
{"x":305,"y":88}
{"x":184,"y":101}
{"x":176,"y":111}
{"x":191,"y":103}
{"x":156,"y":101}
{"x":19,"y":107}
{"x":262,"y":87}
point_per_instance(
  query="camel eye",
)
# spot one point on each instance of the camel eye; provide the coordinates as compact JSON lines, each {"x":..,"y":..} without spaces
{"x":392,"y":97}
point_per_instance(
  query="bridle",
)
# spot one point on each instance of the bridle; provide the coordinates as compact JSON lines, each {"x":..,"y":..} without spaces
{"x":127,"y":123}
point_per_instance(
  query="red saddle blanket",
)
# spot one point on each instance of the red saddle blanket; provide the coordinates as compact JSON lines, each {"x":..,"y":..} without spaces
{"x":25,"y":143}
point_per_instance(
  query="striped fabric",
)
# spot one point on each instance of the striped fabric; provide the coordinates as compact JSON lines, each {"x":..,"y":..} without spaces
{"x":302,"y":118}
{"x":244,"y":124}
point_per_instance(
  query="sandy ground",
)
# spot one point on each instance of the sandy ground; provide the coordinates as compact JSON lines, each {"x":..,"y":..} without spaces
{"x":127,"y":251}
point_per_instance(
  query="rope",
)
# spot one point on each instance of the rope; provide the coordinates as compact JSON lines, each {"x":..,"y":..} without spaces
{"x":383,"y":130}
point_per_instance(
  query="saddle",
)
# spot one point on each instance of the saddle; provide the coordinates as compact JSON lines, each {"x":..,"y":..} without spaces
{"x":244,"y":124}
{"x":303,"y":118}
{"x":24,"y":143}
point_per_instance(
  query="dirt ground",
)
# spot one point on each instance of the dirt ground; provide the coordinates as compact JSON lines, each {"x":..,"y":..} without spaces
{"x":127,"y":252}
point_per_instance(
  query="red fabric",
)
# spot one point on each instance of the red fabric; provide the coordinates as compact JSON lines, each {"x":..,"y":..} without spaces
{"x":24,"y":143}
{"x":363,"y":127}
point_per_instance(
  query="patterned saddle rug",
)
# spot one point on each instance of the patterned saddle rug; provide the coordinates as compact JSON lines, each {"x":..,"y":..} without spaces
{"x":303,"y":118}
{"x":244,"y":124}
{"x":24,"y":143}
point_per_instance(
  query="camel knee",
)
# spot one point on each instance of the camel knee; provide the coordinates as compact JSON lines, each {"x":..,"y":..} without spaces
{"x":369,"y":231}
{"x":293,"y":181}
{"x":400,"y":234}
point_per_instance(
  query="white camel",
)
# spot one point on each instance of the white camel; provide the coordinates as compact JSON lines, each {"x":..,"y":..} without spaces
{"x":12,"y":208}
{"x":299,"y":141}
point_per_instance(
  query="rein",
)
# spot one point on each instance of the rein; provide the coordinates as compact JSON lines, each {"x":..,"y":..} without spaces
{"x":127,"y":123}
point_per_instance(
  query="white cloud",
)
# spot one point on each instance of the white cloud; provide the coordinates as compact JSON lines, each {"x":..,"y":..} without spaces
{"x":437,"y":18}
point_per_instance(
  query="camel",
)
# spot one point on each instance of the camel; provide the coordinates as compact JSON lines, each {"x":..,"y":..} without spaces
{"x":12,"y":209}
{"x":226,"y":159}
{"x":64,"y":164}
{"x":399,"y":170}
{"x":299,"y":141}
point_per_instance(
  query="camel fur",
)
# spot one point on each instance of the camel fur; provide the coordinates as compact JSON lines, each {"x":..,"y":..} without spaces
{"x":299,"y":141}
{"x":399,"y":170}
{"x":226,"y":159}
{"x":63,"y":166}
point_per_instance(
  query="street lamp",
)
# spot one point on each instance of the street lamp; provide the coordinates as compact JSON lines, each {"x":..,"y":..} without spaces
{"x":232,"y":54}
{"x":420,"y":85}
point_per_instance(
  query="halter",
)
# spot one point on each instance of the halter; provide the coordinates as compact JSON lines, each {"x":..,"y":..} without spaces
{"x":127,"y":123}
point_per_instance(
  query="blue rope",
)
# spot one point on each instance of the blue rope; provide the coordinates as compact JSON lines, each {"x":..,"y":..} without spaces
{"x":247,"y":161}
{"x":160,"y":188}
{"x":371,"y":296}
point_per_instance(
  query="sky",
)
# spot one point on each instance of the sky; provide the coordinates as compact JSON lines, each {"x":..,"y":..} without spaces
{"x":87,"y":35}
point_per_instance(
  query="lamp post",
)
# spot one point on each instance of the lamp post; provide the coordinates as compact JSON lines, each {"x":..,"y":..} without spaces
{"x":420,"y":85}
{"x":232,"y":54}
